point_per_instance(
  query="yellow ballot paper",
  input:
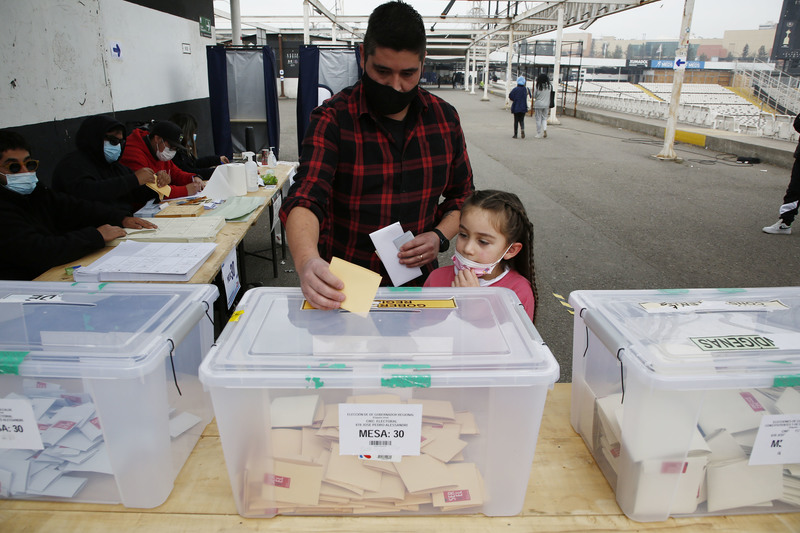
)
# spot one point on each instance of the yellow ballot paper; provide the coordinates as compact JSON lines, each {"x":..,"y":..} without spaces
{"x":162,"y":191}
{"x":360,"y":285}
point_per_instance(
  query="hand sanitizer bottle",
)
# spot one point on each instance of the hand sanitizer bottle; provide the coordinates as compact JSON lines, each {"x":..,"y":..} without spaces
{"x":251,"y":171}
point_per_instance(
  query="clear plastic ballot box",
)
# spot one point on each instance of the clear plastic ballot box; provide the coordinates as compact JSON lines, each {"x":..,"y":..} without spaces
{"x":689,"y":400}
{"x":100,"y":399}
{"x":429,"y":404}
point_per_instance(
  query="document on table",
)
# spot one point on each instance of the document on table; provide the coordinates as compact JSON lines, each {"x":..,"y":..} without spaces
{"x":203,"y":229}
{"x":142,"y":261}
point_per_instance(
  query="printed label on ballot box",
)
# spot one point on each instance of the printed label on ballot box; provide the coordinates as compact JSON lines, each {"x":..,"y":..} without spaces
{"x":380,"y":429}
{"x":18,"y":427}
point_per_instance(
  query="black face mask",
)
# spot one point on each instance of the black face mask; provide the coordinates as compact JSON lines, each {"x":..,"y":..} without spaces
{"x":385,"y":100}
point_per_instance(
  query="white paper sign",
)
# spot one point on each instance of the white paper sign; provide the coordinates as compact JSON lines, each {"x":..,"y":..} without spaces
{"x":777,"y":440}
{"x":230,"y":277}
{"x":380,"y":429}
{"x":18,"y":427}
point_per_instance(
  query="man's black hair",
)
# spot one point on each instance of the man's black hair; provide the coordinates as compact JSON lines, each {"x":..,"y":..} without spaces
{"x":395,"y":25}
{"x":11,"y":140}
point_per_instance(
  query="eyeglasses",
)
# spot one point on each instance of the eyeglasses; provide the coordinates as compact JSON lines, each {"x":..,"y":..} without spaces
{"x":30,"y":165}
{"x":115,"y":140}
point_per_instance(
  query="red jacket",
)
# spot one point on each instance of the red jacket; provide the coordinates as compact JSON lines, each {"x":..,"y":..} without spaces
{"x":137,"y":155}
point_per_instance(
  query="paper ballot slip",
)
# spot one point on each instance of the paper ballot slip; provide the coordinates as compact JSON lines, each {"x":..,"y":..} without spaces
{"x":142,"y":261}
{"x":386,"y":244}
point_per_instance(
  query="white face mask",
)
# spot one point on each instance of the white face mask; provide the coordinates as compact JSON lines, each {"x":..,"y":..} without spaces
{"x":166,"y":154}
{"x":480,"y":269}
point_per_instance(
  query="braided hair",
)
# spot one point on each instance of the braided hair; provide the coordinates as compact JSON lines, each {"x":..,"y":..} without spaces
{"x":510,"y":218}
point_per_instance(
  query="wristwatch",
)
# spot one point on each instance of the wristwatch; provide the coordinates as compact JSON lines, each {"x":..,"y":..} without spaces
{"x":444,"y":243}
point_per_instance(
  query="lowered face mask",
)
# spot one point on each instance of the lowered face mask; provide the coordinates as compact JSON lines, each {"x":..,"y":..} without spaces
{"x":480,"y":269}
{"x":22,"y":183}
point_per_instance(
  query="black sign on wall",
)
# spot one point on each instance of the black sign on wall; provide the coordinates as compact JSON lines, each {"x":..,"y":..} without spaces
{"x":787,"y":34}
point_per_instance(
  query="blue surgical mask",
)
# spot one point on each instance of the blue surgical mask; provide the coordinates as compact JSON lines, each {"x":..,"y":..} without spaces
{"x":111,"y":152}
{"x":22,"y":183}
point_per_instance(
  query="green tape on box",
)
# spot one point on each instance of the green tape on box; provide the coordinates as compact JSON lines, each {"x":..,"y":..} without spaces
{"x":396,"y":366}
{"x":421,"y":381}
{"x":673,"y":291}
{"x":405,"y":289}
{"x":786,"y":381}
{"x":10,"y":361}
{"x":318,"y":383}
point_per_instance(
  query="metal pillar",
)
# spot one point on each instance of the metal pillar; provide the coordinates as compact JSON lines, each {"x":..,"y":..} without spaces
{"x":306,"y":24}
{"x":668,"y":152}
{"x":553,"y":119}
{"x":472,"y":76}
{"x":236,"y":23}
{"x":466,"y":71}
{"x":485,"y":97}
{"x":509,"y":59}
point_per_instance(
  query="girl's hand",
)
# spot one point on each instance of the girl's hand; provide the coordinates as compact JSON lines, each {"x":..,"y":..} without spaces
{"x":466,"y":278}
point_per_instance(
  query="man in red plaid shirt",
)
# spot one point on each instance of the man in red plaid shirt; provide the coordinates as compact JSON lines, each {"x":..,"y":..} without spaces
{"x":381,"y":151}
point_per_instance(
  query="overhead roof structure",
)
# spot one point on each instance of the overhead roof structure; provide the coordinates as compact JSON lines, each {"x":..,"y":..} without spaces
{"x":451,"y":32}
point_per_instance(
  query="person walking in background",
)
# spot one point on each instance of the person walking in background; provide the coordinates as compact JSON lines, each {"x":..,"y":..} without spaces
{"x":494,"y":246}
{"x":541,"y":104}
{"x":519,"y":105}
{"x":788,"y":209}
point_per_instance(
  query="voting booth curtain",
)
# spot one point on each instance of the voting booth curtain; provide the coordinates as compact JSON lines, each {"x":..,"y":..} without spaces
{"x":324,"y":71}
{"x":242,"y":85}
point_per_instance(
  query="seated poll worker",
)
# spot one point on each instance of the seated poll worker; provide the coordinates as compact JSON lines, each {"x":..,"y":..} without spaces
{"x":379,"y":152}
{"x":41,"y":228}
{"x":94,"y":172}
{"x":188,"y":159}
{"x":155,"y":149}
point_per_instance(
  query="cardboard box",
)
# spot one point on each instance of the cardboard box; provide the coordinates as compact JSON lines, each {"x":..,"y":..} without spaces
{"x":99,"y":395}
{"x":430,"y":404}
{"x":688,"y":399}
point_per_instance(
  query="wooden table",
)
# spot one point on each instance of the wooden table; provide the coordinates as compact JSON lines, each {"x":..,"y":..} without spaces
{"x":567,"y":492}
{"x":228,"y":238}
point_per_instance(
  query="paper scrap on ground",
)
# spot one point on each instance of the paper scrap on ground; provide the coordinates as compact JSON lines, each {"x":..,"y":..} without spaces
{"x":360,"y":285}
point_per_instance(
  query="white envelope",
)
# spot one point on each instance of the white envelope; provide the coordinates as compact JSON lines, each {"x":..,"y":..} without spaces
{"x":735,"y":484}
{"x":383,"y":239}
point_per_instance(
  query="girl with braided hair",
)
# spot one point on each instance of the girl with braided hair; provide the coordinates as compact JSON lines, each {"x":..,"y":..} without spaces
{"x":494,"y":246}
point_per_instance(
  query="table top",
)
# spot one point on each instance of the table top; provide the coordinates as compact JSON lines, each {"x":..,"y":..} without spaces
{"x":227,"y":239}
{"x":567,"y":492}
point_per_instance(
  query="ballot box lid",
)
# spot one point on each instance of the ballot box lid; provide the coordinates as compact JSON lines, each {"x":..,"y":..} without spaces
{"x":420,"y":337}
{"x":748,"y":336}
{"x":96,"y":330}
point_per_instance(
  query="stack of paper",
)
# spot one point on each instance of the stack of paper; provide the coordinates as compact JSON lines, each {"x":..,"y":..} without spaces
{"x":140,"y":261}
{"x":203,"y":229}
{"x":73,"y":442}
{"x":309,"y":475}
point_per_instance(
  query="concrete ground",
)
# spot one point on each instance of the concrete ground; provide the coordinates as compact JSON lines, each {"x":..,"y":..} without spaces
{"x":607,"y":214}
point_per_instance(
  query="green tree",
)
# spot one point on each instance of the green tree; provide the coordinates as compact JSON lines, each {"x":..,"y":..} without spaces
{"x":702,"y":57}
{"x":745,"y":51}
{"x":617,"y":52}
{"x":762,"y":53}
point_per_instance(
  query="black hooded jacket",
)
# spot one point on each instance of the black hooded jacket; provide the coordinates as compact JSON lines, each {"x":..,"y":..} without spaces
{"x":86,"y":173}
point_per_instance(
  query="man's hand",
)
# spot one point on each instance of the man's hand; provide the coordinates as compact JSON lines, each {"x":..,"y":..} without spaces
{"x":110,"y":232}
{"x":163,"y":178}
{"x":320,"y":287}
{"x":421,"y":250}
{"x":137,"y":223}
{"x":466,"y":278}
{"x":145,"y":175}
{"x":223,"y":159}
